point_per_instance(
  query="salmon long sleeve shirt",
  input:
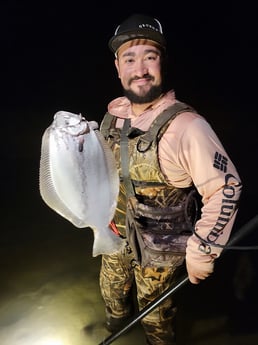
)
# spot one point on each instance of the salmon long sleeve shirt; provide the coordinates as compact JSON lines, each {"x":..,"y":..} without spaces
{"x":190,"y":153}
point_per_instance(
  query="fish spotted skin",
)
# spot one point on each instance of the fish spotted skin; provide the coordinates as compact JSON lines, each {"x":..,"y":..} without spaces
{"x":78,"y":177}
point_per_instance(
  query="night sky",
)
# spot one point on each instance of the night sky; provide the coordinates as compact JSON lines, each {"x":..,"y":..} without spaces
{"x":55,"y":57}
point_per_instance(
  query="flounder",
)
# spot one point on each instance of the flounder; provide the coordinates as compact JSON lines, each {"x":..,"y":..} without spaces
{"x":78,"y":177}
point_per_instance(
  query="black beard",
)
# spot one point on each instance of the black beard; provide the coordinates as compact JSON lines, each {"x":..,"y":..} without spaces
{"x":150,"y":96}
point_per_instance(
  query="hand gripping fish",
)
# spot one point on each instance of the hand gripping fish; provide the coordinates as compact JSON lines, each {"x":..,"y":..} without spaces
{"x":78,"y":177}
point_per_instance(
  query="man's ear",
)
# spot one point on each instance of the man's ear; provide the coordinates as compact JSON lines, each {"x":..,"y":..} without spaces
{"x":117,"y":67}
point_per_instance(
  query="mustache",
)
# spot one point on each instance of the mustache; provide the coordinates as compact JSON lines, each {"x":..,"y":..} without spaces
{"x":145,"y":76}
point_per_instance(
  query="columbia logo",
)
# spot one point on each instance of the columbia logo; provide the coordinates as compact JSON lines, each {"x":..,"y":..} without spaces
{"x":220,"y":162}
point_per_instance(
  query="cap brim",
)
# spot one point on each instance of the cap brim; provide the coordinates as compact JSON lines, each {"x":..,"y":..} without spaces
{"x":116,"y":41}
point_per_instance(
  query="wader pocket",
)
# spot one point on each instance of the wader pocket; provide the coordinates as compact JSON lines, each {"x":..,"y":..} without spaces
{"x":155,"y":240}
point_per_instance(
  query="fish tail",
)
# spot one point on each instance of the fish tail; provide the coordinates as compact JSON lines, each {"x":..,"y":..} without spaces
{"x":106,"y":243}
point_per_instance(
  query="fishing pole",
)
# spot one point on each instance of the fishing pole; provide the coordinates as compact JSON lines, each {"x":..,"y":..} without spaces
{"x":243,"y":231}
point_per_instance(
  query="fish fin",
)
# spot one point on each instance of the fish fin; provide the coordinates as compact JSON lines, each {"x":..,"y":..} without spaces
{"x":106,"y":242}
{"x":46,"y":186}
{"x":113,"y":172}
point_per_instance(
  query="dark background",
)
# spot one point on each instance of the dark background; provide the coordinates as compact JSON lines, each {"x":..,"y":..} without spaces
{"x":55,"y":57}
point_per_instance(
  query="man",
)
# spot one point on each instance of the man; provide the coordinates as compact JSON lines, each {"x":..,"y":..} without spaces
{"x":156,"y":182}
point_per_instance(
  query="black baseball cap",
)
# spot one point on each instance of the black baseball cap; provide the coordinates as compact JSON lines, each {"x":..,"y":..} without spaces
{"x":137,"y":26}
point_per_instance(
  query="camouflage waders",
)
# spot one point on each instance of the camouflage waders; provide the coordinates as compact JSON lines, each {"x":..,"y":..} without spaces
{"x":120,"y":271}
{"x":117,"y":276}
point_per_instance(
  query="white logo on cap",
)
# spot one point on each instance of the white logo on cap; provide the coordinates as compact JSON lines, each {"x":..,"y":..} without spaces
{"x":148,"y":26}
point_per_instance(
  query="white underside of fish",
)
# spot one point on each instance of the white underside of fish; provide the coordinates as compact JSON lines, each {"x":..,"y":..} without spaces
{"x":79,"y":178}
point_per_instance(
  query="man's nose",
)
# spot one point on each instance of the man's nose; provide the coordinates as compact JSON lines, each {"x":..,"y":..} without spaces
{"x":140,"y":68}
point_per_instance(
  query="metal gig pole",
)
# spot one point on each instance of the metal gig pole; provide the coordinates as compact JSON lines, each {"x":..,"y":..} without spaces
{"x":243,"y":231}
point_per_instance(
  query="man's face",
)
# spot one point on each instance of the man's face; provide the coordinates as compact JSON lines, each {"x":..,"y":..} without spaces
{"x":139,"y":68}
